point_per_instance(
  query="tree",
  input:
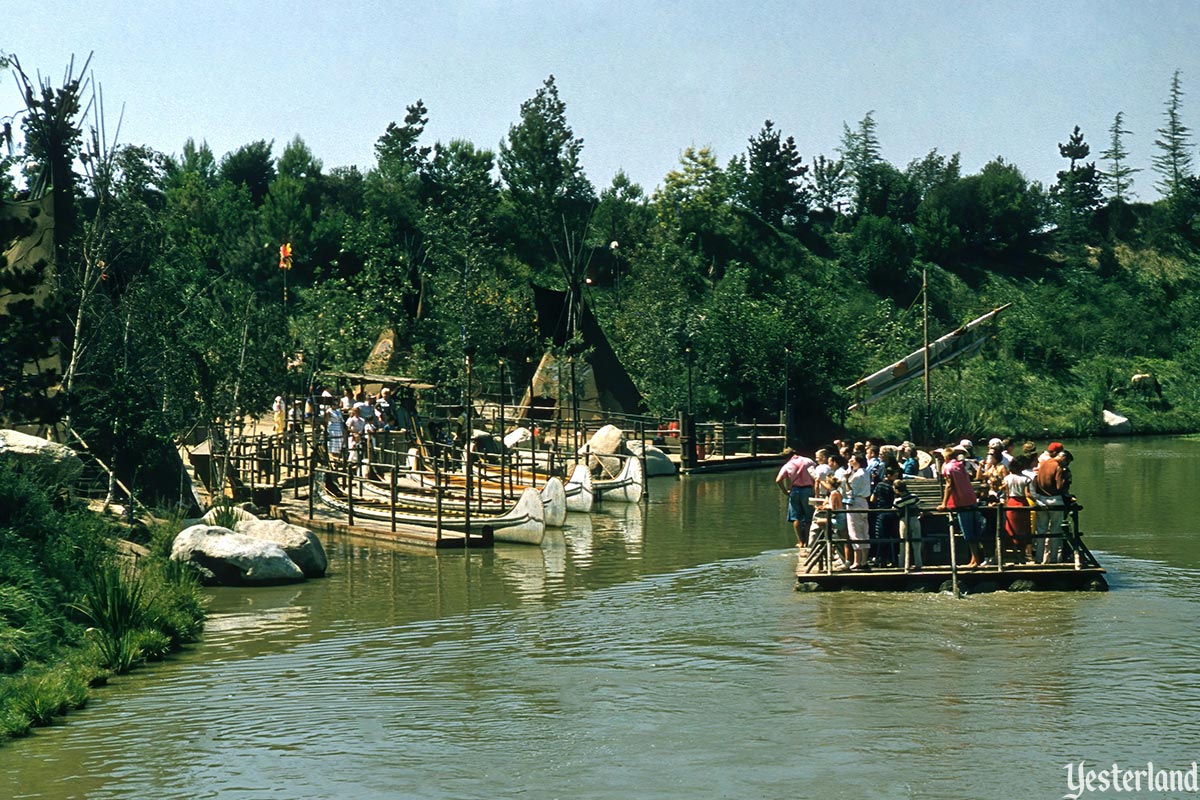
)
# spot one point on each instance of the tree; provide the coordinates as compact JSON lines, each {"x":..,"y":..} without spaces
{"x":619,"y":226}
{"x":772,"y":186}
{"x":397,"y":150}
{"x":251,"y":166}
{"x":1118,"y":178}
{"x":879,"y":251}
{"x":860,"y":150}
{"x":1174,"y":160}
{"x":1076,"y":195}
{"x":830,"y":183}
{"x":539,"y":162}
{"x":931,"y":171}
{"x":693,"y":206}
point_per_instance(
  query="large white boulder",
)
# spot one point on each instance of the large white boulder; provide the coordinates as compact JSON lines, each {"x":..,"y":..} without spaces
{"x":657,"y":462}
{"x":225,"y":557}
{"x":1115,"y":423}
{"x":48,"y":461}
{"x":607,"y":441}
{"x":301,"y":545}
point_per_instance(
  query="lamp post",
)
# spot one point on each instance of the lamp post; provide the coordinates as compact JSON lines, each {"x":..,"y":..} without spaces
{"x":529,"y":408}
{"x":613,"y":246}
{"x":787,"y":412}
{"x":688,"y":351}
{"x":503,"y":454}
{"x":468,"y":352}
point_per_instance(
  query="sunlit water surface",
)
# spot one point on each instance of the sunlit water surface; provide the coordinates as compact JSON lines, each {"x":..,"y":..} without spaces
{"x":660,"y":651}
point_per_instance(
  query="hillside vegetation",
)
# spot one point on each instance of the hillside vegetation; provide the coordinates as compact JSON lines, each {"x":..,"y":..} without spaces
{"x":781,"y":272}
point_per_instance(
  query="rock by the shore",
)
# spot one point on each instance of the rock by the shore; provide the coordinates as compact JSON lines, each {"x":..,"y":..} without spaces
{"x":1115,"y":423}
{"x":607,"y":441}
{"x":48,"y":461}
{"x":657,"y":462}
{"x":225,"y":557}
{"x":301,"y":545}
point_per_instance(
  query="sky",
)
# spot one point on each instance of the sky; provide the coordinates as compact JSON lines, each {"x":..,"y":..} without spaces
{"x":642,"y":81}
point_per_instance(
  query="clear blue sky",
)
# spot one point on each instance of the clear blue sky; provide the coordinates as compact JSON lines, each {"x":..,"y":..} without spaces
{"x":642,"y":81}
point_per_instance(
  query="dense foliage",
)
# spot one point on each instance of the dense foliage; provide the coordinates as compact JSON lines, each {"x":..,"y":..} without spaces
{"x":73,"y":611}
{"x":774,"y":274}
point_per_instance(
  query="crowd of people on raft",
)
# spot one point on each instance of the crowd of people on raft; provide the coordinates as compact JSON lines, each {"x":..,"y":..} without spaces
{"x":833,"y":492}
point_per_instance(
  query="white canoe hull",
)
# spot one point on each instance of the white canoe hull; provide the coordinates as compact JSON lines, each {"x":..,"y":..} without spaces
{"x":580,"y":496}
{"x":525,"y":523}
{"x":627,"y":487}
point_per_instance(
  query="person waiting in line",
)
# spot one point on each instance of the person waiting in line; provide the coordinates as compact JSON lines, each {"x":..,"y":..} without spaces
{"x":829,"y":522}
{"x":335,"y":432}
{"x":884,"y":522}
{"x":1050,"y":487}
{"x":385,"y":411}
{"x":279,"y":414}
{"x":366,"y":410}
{"x":909,"y":464}
{"x":874,"y":465}
{"x":1052,"y":450}
{"x":347,"y":401}
{"x":821,"y":471}
{"x":959,"y":498}
{"x":356,"y":428}
{"x":857,"y":502}
{"x":908,"y":507}
{"x":1018,"y":497}
{"x":993,"y":474}
{"x":796,"y":480}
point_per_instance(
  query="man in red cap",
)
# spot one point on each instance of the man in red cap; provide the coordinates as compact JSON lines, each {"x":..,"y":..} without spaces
{"x":1052,"y":450}
{"x":1050,"y":489}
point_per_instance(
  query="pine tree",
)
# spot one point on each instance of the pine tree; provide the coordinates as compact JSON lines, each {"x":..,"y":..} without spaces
{"x":772,"y":187}
{"x":1118,"y":179}
{"x":1174,"y":161}
{"x":1077,"y":193}
{"x":546,"y":184}
{"x":860,"y":153}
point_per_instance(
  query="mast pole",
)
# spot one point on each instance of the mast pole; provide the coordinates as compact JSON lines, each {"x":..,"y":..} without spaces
{"x":925,"y":318}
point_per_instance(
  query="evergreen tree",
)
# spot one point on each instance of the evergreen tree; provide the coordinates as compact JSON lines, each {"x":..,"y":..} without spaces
{"x":1118,"y":179}
{"x":252,"y":166}
{"x":397,"y":150}
{"x":772,"y":187}
{"x":1174,"y":160}
{"x":860,"y":151}
{"x":1076,"y":195}
{"x":539,"y":163}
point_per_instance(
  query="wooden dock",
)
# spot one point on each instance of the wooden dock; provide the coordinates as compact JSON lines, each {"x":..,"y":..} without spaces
{"x":295,"y":512}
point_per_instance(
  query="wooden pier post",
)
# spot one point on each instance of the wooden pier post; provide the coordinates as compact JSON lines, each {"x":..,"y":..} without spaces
{"x":953,"y":558}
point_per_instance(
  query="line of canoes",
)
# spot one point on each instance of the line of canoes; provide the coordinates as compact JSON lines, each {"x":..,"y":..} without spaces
{"x":414,"y":497}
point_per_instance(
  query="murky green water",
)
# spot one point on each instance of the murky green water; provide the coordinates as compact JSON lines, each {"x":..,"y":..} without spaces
{"x":660,"y":652}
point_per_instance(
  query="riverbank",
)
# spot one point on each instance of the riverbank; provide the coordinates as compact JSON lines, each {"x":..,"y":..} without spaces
{"x":76,"y":607}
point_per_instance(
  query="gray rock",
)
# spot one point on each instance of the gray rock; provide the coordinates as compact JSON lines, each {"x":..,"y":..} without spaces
{"x":657,"y":462}
{"x":301,"y":545}
{"x":608,"y":440}
{"x":48,"y":461}
{"x":234,"y":558}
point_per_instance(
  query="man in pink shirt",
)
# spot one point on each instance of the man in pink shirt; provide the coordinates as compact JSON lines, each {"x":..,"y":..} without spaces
{"x":959,"y":497}
{"x":795,"y":479}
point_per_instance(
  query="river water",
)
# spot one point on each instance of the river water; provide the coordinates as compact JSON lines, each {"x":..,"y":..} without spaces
{"x":660,"y":652}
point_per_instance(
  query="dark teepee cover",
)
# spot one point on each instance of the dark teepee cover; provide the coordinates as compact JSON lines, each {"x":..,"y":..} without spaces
{"x":616,"y":389}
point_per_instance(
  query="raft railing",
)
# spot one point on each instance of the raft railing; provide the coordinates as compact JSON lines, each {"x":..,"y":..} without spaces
{"x":823,"y":544}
